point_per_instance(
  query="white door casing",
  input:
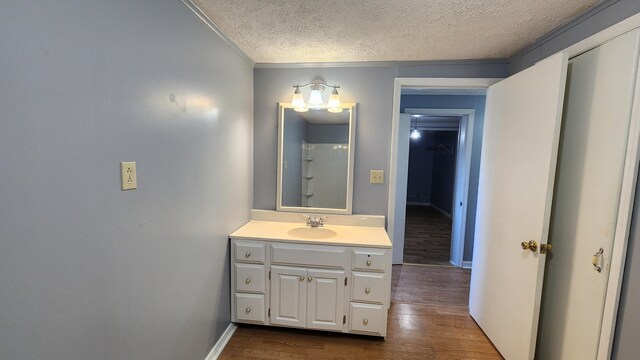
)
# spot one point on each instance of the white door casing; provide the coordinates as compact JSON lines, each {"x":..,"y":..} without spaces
{"x":395,"y":170}
{"x":400,"y":187}
{"x":517,"y":170}
{"x":462,"y":177}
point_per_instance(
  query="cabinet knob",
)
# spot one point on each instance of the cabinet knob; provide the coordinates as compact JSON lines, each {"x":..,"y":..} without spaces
{"x":302,"y":278}
{"x":310,"y":278}
{"x":247,"y":310}
{"x":368,"y":262}
{"x":365,"y":322}
{"x":367,"y":291}
{"x":247,"y":254}
{"x":248,"y":280}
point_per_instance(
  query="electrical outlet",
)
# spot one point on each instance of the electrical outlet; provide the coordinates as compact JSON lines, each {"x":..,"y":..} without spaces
{"x":128,"y":173}
{"x":377,"y":177}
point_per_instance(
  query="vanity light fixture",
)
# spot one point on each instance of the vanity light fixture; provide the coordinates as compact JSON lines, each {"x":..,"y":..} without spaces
{"x":315,"y":98}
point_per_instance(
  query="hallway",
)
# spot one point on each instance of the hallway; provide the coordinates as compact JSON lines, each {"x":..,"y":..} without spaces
{"x":427,"y":236}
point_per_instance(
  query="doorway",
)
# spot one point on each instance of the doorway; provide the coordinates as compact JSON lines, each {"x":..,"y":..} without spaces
{"x":432,"y":176}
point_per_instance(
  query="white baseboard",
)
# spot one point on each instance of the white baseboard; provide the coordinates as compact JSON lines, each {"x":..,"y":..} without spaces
{"x":222,"y":342}
{"x":418,"y":203}
{"x":466,"y":264}
{"x":441,"y":211}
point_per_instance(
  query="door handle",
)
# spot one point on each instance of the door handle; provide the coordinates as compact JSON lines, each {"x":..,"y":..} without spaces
{"x":529,"y":245}
{"x":595,"y":260}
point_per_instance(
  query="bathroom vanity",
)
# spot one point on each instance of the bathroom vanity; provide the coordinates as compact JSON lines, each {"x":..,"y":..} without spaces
{"x":333,"y":278}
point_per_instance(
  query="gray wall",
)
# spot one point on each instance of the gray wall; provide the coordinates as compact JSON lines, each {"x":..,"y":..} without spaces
{"x":295,"y":132}
{"x":88,"y":271}
{"x":372,"y":89}
{"x":328,"y":133}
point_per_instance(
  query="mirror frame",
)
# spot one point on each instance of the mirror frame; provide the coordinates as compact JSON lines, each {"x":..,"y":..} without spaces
{"x":350,"y":165}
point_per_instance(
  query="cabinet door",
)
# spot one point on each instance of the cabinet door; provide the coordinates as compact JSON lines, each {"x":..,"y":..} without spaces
{"x":288,"y":296}
{"x":325,"y":299}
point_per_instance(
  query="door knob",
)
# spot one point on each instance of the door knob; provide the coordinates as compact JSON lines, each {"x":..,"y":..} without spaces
{"x":530,"y":245}
{"x":310,"y":278}
{"x":302,"y":278}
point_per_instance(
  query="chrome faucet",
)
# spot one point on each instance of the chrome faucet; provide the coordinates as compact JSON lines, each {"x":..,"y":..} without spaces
{"x":315,"y":222}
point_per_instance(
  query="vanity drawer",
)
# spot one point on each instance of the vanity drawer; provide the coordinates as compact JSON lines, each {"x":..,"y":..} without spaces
{"x":250,"y":308}
{"x":369,"y":287}
{"x":369,"y":318}
{"x":249,"y":251}
{"x":309,"y":255}
{"x":369,"y":259}
{"x":250,"y":278}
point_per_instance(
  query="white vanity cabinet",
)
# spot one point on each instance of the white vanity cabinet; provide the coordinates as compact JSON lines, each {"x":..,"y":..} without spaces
{"x":309,"y":285}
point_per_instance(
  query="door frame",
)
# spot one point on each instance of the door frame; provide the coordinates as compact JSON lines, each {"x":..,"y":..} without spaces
{"x":628,"y":186}
{"x":461,"y":181}
{"x":395,"y":231}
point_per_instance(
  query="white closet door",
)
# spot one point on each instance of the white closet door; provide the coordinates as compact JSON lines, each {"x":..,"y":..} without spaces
{"x":517,"y":170}
{"x":591,"y":161}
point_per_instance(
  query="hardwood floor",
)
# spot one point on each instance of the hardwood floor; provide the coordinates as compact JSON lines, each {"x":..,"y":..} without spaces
{"x":428,"y":319}
{"x":427,"y":236}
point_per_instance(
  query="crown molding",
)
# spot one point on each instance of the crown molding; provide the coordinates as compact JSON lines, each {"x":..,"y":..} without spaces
{"x":351,"y":64}
{"x":211,"y":25}
{"x":562,"y":29}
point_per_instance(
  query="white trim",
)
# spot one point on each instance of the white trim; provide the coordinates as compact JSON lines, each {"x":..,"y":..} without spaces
{"x":222,"y":342}
{"x":466,"y":264}
{"x":211,"y":25}
{"x":436,"y":208}
{"x":352,"y":107}
{"x":399,"y":83}
{"x":625,"y":209}
{"x":603,"y":36}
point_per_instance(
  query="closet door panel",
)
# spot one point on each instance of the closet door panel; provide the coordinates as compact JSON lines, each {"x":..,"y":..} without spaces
{"x":593,"y":144}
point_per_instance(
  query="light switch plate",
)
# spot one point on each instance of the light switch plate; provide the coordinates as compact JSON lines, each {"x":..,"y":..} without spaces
{"x":128,"y":173}
{"x":377,"y":177}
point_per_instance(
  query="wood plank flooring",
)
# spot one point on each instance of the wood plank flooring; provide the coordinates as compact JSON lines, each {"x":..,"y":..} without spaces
{"x":427,"y":236}
{"x":428,"y":319}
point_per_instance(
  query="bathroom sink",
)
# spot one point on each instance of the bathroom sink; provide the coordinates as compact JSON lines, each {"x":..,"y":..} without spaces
{"x":312,"y":233}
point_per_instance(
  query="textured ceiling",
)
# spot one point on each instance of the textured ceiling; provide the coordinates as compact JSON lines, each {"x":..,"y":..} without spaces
{"x":281,"y":31}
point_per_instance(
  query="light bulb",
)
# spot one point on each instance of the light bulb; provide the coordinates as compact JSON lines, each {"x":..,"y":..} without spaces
{"x":415,"y":134}
{"x":333,"y":105}
{"x":298,"y":101}
{"x":315,"y":99}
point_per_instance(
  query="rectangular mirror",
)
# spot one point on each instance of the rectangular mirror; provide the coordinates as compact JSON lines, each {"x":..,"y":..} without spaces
{"x":315,"y":160}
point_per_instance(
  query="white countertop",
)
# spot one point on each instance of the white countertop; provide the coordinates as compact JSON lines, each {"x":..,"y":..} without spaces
{"x":369,"y":236}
